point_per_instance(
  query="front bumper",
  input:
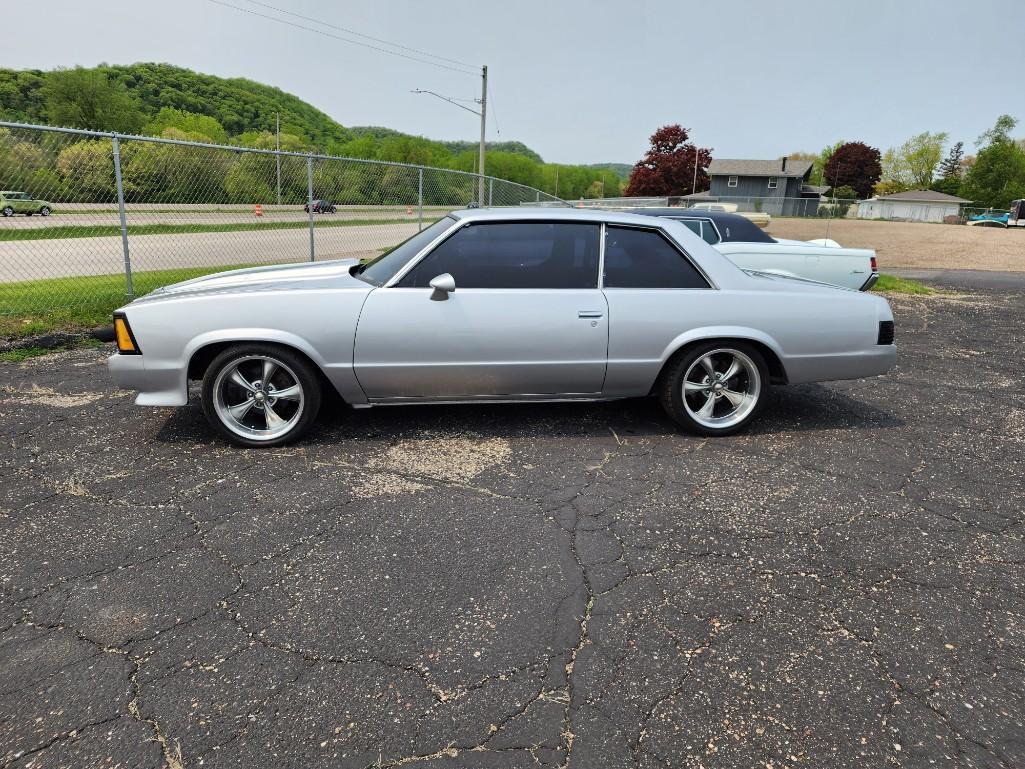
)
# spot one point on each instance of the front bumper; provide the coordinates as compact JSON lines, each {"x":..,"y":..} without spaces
{"x":870,"y":282}
{"x":156,"y":386}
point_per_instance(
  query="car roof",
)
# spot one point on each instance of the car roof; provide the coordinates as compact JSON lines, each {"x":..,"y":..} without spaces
{"x":552,"y":213}
{"x":733,"y":227}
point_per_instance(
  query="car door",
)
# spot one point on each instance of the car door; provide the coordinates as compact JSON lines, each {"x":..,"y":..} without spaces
{"x":22,"y":203}
{"x":526,"y":318}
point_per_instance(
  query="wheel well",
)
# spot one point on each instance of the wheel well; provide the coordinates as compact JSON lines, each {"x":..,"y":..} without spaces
{"x":777,"y":374}
{"x":203,"y":357}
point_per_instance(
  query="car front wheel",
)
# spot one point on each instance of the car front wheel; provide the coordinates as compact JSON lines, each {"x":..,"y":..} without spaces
{"x":260,"y":395}
{"x":715,"y":388}
{"x":8,"y":211}
{"x":44,"y":211}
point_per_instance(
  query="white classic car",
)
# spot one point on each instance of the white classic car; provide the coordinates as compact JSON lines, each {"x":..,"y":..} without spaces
{"x":747,"y":246}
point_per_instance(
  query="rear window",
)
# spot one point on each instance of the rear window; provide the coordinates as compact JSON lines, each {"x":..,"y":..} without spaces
{"x":638,"y":258}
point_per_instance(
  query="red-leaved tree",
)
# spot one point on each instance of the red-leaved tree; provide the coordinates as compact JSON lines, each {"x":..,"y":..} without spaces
{"x":856,"y":165}
{"x":668,"y":167}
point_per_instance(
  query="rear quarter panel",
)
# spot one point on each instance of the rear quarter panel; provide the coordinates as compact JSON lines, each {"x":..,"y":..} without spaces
{"x":818,"y":333}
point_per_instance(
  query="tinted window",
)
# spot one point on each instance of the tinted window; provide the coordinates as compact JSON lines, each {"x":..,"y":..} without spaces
{"x":694,"y":225}
{"x":702,"y":228}
{"x":380,"y":270}
{"x":514,"y":255}
{"x":645,"y":259}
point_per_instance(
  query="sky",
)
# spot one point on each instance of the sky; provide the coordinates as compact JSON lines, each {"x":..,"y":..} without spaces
{"x":586,"y":82}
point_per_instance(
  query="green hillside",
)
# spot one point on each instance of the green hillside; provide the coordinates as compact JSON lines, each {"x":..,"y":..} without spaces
{"x":162,"y":99}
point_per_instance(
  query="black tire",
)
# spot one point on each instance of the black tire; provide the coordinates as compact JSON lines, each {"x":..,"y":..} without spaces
{"x":291,"y":366}
{"x":8,"y":211}
{"x":28,"y":213}
{"x":751,"y":382}
{"x":44,"y":211}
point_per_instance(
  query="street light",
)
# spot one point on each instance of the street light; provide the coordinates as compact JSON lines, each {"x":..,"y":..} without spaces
{"x":483,"y":102}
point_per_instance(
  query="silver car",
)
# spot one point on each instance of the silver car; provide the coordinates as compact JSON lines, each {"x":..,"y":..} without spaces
{"x":498,"y":305}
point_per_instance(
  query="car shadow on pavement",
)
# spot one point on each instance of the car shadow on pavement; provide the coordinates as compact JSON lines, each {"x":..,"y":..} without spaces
{"x":797,"y":408}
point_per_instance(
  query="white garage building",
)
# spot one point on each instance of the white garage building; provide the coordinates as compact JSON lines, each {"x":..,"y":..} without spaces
{"x":912,"y":206}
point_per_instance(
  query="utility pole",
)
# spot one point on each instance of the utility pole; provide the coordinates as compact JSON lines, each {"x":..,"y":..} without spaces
{"x":694,"y":186}
{"x":483,"y":121}
{"x":277,"y":146}
{"x":483,"y":101}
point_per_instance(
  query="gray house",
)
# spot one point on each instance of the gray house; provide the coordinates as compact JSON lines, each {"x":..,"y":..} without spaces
{"x":778,"y":187}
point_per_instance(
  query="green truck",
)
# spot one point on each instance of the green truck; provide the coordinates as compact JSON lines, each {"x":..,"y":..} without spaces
{"x":12,"y":203}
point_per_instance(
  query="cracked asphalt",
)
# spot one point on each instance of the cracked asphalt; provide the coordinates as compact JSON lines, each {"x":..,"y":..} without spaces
{"x":523,"y":586}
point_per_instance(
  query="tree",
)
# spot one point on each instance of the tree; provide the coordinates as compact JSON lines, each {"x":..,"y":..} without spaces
{"x":913,"y":164}
{"x":998,"y":175}
{"x":87,"y":168}
{"x":189,"y":123}
{"x":1000,"y":132}
{"x":952,"y":166}
{"x":854,"y":164}
{"x":668,"y":166}
{"x":86,"y":98}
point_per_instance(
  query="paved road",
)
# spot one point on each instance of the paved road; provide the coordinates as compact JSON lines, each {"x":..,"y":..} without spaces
{"x":136,"y":216}
{"x":523,"y":586}
{"x":32,"y":259}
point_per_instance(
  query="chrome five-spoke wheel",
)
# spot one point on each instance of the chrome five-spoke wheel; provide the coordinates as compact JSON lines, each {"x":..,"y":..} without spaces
{"x":715,"y":389}
{"x":721,"y":388}
{"x":259,"y":396}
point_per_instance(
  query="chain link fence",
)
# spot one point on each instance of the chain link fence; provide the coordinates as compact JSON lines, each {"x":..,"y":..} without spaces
{"x":91,"y":219}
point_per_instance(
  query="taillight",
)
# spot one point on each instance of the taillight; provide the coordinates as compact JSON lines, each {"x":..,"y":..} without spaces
{"x":875,"y":267}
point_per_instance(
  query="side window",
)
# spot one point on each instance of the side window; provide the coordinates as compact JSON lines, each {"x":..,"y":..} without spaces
{"x":708,"y":232}
{"x":514,"y":255}
{"x":636,"y":258}
{"x":694,"y":225}
{"x":731,"y":182}
{"x":773,"y":182}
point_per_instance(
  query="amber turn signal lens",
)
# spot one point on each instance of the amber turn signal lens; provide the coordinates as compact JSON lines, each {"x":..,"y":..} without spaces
{"x":125,"y":343}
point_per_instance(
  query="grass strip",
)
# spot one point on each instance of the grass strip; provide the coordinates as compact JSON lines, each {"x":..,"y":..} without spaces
{"x":901,"y":285}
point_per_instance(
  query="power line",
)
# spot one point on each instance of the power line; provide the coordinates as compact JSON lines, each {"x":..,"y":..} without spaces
{"x":360,"y":34}
{"x":494,"y":115}
{"x":251,"y":12}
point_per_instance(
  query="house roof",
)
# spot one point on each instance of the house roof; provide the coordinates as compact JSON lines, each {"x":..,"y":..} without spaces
{"x":923,"y":196}
{"x":724,"y":167}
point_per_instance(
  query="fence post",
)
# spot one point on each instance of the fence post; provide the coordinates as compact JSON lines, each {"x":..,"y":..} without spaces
{"x":309,"y":201}
{"x":491,"y":191}
{"x":420,"y":200}
{"x":121,"y":214}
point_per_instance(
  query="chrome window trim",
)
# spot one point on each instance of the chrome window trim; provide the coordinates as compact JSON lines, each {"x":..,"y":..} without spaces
{"x":672,"y":242}
{"x":426,"y":251}
{"x":704,"y":222}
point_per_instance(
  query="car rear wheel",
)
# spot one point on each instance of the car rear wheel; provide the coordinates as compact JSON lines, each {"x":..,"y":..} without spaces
{"x":44,"y":211}
{"x":260,"y":395}
{"x":8,"y":211}
{"x":715,"y":388}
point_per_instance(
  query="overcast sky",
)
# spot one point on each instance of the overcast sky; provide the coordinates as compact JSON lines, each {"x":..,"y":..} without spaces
{"x":587,"y":81}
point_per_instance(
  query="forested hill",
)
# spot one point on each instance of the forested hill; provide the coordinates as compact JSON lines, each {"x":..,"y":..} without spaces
{"x":156,"y":98}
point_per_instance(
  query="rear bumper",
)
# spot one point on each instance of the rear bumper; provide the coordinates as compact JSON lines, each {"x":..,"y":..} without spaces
{"x":870,"y":282}
{"x":824,"y":368}
{"x":157,"y":387}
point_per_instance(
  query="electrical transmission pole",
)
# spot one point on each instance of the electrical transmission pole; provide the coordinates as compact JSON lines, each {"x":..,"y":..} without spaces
{"x":483,"y":121}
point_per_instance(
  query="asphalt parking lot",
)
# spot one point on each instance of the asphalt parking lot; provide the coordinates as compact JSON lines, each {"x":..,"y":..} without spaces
{"x":519,"y":586}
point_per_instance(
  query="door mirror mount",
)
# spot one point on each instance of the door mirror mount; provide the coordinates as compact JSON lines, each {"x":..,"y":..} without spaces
{"x":443,"y":285}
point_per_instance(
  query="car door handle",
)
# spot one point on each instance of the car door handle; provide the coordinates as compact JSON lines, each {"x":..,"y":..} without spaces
{"x":589,"y":314}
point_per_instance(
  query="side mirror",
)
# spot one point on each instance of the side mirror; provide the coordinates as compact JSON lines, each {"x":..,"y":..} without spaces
{"x":443,"y":285}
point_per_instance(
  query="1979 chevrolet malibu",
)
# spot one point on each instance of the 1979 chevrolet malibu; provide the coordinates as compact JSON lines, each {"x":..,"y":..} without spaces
{"x":498,"y":305}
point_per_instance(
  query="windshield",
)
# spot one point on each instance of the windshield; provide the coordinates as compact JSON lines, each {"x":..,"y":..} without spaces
{"x":380,"y":270}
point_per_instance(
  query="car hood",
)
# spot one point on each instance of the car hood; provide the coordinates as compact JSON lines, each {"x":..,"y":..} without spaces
{"x":314,"y":275}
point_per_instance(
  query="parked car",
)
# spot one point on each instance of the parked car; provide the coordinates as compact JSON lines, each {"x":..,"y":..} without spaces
{"x":749,"y":247}
{"x":760,"y":218}
{"x":12,"y":203}
{"x":320,"y":207}
{"x":498,"y":305}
